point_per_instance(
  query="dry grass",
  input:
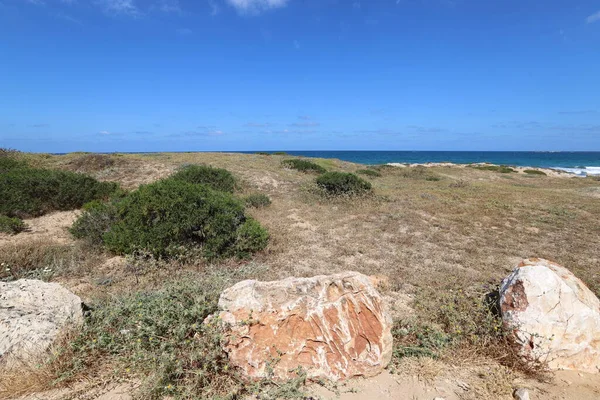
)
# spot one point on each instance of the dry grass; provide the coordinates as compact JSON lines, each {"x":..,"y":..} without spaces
{"x":463,"y":228}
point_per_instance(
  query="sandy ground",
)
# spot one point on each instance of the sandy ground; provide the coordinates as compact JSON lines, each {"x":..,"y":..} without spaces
{"x":53,"y":226}
{"x":521,"y":170}
{"x":421,"y":234}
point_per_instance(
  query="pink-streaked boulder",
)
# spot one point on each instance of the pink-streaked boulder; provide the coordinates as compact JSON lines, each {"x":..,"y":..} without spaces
{"x":552,"y":316}
{"x":333,"y":327}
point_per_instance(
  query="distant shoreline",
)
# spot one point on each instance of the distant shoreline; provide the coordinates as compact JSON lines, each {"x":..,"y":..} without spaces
{"x":574,"y":163}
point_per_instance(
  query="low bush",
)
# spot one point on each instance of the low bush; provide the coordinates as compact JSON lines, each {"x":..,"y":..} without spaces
{"x":11,"y":225}
{"x":342,"y":183}
{"x":216,"y":178}
{"x":262,"y":153}
{"x":280,"y":153}
{"x":94,"y":222}
{"x":33,"y":192}
{"x":8,"y":163}
{"x":534,"y":172}
{"x":257,"y":200}
{"x":503,"y":169}
{"x":303,"y":165}
{"x":369,"y":172}
{"x":158,"y":338}
{"x":168,"y":215}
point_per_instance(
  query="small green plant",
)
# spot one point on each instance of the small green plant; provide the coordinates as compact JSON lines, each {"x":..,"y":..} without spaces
{"x":534,"y":172}
{"x":33,"y":192}
{"x":257,"y":200}
{"x":11,"y":225}
{"x":369,"y":172}
{"x":168,"y":216}
{"x":262,"y":153}
{"x":433,"y":178}
{"x":342,"y":183}
{"x":280,"y":153}
{"x":303,"y":165}
{"x":215,"y":178}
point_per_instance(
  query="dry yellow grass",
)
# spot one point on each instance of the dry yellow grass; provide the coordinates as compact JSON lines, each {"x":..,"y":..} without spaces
{"x":465,"y":228}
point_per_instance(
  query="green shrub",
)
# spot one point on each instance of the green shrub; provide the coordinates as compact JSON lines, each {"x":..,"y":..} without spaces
{"x":166,"y":215}
{"x":257,"y":200}
{"x":534,"y":172}
{"x":340,"y":183}
{"x":262,"y":153}
{"x":280,"y":153}
{"x":216,"y":178}
{"x":303,"y":165}
{"x":251,"y":237}
{"x":503,"y":169}
{"x":369,"y":172}
{"x":433,"y":178}
{"x":8,"y":163}
{"x":33,"y":192}
{"x":158,"y":335}
{"x":11,"y":225}
{"x":94,"y":222}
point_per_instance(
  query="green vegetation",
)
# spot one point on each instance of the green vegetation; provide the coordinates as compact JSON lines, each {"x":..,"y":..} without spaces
{"x":262,"y":153}
{"x":303,"y":165}
{"x":168,"y":216}
{"x":159,"y":338}
{"x":27,"y":192}
{"x":534,"y":172}
{"x":215,"y":178}
{"x":342,"y":183}
{"x":503,"y":169}
{"x":257,"y":200}
{"x":369,"y":172}
{"x":11,"y":225}
{"x":280,"y":153}
{"x":95,"y":222}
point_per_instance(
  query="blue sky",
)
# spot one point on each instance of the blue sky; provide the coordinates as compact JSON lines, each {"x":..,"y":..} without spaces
{"x":179,"y":75}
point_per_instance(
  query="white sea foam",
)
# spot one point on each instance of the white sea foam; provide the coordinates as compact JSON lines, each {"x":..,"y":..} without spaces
{"x":587,"y":171}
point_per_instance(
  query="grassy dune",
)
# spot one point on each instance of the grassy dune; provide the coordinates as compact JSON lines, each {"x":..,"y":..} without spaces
{"x":440,"y":236}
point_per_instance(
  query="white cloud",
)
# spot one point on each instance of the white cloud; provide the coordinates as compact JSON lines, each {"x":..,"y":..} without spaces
{"x":126,"y":7}
{"x":104,"y":133}
{"x":169,"y":6}
{"x":256,"y":6}
{"x":214,"y":8}
{"x":593,"y":18}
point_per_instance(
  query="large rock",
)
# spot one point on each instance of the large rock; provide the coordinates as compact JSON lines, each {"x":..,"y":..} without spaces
{"x":553,"y":316}
{"x":333,"y":327}
{"x":32,"y":314}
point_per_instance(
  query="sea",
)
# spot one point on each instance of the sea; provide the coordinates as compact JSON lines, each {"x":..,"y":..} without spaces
{"x":581,"y":163}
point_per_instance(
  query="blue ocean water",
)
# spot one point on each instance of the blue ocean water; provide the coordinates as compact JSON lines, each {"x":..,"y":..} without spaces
{"x":576,"y":162}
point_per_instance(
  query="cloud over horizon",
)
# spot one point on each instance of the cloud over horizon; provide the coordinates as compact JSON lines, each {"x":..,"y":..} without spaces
{"x":256,"y":6}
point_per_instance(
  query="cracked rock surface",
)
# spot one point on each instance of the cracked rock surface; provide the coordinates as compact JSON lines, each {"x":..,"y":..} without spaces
{"x":553,"y":316}
{"x":333,"y":327}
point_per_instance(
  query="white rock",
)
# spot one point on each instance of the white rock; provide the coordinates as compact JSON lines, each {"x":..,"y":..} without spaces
{"x":32,"y":314}
{"x":521,"y":394}
{"x":553,"y":316}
